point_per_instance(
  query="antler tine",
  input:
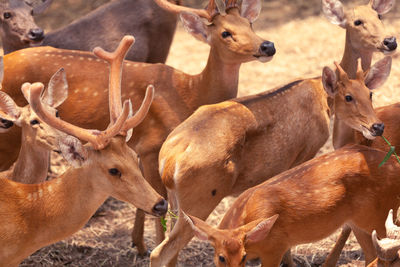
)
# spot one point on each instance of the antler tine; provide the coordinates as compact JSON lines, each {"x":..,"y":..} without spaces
{"x":97,"y":138}
{"x":115,"y":59}
{"x":143,"y":110}
{"x":177,"y":9}
{"x":387,"y":249}
{"x":392,"y":230}
{"x":342,"y":73}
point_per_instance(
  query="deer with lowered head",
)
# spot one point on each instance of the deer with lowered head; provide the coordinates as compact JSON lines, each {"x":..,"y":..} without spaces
{"x":153,"y":27}
{"x":305,"y":204}
{"x":226,"y":148}
{"x":38,"y":138}
{"x":33,"y":215}
{"x":232,"y":42}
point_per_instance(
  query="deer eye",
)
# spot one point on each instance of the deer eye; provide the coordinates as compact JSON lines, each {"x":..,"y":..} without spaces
{"x":370,"y":95}
{"x":379,"y":16}
{"x":114,"y":172}
{"x":7,"y":15}
{"x":221,"y":259}
{"x":34,"y":122}
{"x":57,"y":114}
{"x":358,"y":22}
{"x":226,"y":34}
{"x":349,"y":98}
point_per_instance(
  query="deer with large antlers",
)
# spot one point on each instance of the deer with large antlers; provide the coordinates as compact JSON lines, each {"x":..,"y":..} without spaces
{"x":38,"y":138}
{"x":34,"y":215}
{"x":153,"y":27}
{"x":305,"y":204}
{"x":178,"y":95}
{"x":240,"y":143}
{"x":387,"y":248}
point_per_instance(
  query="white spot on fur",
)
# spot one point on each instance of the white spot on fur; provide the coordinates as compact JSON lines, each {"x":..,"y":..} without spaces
{"x":81,"y":58}
{"x":76,"y":91}
{"x":95,"y":94}
{"x":46,"y":55}
{"x":40,"y":193}
{"x":50,"y":188}
{"x":69,"y":64}
{"x":90,"y":59}
{"x":34,"y":196}
{"x":85,"y":89}
{"x":128,"y":64}
{"x":64,"y":57}
{"x":29,"y":197}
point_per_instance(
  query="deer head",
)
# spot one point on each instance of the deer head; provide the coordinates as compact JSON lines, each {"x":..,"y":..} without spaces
{"x":226,"y":27}
{"x":363,"y":24}
{"x":353,"y":98}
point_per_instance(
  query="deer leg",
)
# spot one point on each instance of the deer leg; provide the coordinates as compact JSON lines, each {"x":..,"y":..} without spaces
{"x":150,"y":173}
{"x":167,"y":252}
{"x":334,"y":255}
{"x":365,"y":241}
{"x":287,"y":259}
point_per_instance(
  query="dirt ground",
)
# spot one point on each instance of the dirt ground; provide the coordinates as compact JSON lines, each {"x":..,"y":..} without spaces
{"x":305,"y":43}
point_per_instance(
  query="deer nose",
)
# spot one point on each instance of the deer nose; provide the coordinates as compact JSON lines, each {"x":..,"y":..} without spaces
{"x":36,"y":34}
{"x":390,"y":43}
{"x":161,"y":208}
{"x":267,"y":48}
{"x":6,"y":123}
{"x":378,"y":129}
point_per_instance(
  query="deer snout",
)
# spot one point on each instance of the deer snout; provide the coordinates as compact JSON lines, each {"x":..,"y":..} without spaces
{"x":160,"y":208}
{"x":377,"y":129}
{"x":36,"y":34}
{"x":390,"y":43}
{"x":267,"y":48}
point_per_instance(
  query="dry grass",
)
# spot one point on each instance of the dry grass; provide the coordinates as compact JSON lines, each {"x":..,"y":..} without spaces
{"x":305,"y":43}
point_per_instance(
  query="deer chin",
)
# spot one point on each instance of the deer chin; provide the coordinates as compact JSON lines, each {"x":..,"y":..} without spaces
{"x":367,"y":133}
{"x":263,"y":59}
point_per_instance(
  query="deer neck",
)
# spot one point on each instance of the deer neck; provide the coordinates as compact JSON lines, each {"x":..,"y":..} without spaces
{"x":343,"y":134}
{"x":350,"y":58}
{"x":219,"y":80}
{"x":32,"y":164}
{"x":74,"y":194}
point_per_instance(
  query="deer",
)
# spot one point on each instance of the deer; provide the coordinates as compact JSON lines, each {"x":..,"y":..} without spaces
{"x":232,"y":42}
{"x":305,"y":204}
{"x":230,"y":147}
{"x":388,"y":248}
{"x":153,"y":27}
{"x":33,"y":215}
{"x":38,"y":138}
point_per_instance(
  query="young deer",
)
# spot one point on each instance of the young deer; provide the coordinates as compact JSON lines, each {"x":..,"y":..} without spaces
{"x":305,"y":204}
{"x":38,"y":138}
{"x":153,"y":27}
{"x":34,"y":215}
{"x":232,"y":41}
{"x":387,"y":248}
{"x":240,"y":143}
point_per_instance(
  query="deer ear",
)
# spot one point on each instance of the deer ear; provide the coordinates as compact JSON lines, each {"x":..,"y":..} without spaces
{"x":200,"y":228}
{"x":261,"y":230}
{"x":382,"y":6}
{"x":378,"y":73}
{"x":250,"y":9}
{"x":333,"y":10}
{"x":73,"y":151}
{"x":194,"y":25}
{"x":329,"y":81}
{"x":8,"y":109}
{"x":41,"y":7}
{"x":57,"y":90}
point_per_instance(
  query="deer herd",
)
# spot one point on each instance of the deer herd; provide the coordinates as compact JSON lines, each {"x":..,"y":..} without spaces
{"x":193,"y":141}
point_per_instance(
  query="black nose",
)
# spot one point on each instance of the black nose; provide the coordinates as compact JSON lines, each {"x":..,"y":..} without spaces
{"x":267,"y":48}
{"x":378,"y":129}
{"x":161,"y":208}
{"x":36,"y":34}
{"x":6,"y":124}
{"x":390,"y":43}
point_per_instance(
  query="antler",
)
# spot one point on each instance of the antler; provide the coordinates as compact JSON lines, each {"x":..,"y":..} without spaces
{"x":342,"y":74}
{"x":387,"y":248}
{"x":99,"y":139}
{"x":115,"y":60}
{"x":214,"y":8}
